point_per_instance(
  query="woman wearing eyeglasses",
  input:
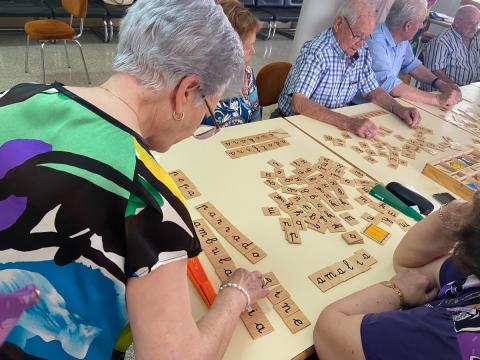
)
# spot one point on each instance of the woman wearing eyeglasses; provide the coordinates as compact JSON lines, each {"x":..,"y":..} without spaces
{"x":243,"y":108}
{"x":89,"y":217}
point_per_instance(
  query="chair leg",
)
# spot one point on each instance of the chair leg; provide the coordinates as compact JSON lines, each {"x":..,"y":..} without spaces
{"x":110,"y":22}
{"x":26,"y":53}
{"x":105,"y":31}
{"x":83,"y":59}
{"x":274,"y":29}
{"x":66,"y":53}
{"x":42,"y":45}
{"x":269,"y":30}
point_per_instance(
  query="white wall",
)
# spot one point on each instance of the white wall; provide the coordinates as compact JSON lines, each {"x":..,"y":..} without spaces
{"x":315,"y":16}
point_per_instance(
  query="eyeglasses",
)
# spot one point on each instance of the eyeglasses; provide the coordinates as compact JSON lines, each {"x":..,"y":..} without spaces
{"x":356,"y":38}
{"x":206,"y":131}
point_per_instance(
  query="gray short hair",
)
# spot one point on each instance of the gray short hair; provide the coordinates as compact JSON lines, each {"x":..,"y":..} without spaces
{"x":161,"y":42}
{"x":351,"y":10}
{"x":403,"y":11}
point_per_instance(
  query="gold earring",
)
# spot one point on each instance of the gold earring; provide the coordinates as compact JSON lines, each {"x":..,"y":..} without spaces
{"x":178,"y":116}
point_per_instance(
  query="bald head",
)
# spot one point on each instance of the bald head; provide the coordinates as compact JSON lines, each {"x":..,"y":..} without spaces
{"x":466,"y":21}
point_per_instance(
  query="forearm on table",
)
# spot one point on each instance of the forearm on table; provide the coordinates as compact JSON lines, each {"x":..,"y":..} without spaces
{"x":382,"y":98}
{"x":414,"y":94}
{"x":217,"y":325}
{"x":421,"y":73}
{"x":304,"y":106}
{"x":441,"y":74}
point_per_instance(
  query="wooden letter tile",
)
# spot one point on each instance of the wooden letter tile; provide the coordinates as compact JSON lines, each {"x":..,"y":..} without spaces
{"x":270,"y":279}
{"x":352,"y":237}
{"x":296,"y":322}
{"x":259,"y":327}
{"x":271,"y":211}
{"x":277,"y":294}
{"x":286,"y":308}
{"x":255,"y":255}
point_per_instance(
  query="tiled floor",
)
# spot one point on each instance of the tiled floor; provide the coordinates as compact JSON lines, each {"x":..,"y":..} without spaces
{"x":99,"y":58}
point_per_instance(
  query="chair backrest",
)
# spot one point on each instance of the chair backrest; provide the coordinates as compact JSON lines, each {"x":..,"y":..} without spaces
{"x":77,"y":8}
{"x":270,"y":81}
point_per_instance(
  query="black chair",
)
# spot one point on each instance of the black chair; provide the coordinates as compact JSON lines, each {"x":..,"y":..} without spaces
{"x":25,"y":8}
{"x":282,"y":11}
{"x":94,"y":11}
{"x":113,"y":12}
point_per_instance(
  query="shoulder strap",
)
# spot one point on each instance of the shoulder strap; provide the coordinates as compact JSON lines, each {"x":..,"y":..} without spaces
{"x":21,"y":92}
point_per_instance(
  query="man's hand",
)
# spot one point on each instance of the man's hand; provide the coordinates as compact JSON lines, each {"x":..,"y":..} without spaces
{"x":417,"y":289}
{"x":449,"y":97}
{"x":409,"y":115}
{"x":362,"y":127}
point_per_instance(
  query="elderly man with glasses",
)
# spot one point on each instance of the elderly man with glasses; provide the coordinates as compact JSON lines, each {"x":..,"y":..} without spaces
{"x":334,"y":67}
{"x":391,"y":53}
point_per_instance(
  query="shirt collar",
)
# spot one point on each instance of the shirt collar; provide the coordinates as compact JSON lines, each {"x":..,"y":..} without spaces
{"x":455,"y":33}
{"x":388,"y":35}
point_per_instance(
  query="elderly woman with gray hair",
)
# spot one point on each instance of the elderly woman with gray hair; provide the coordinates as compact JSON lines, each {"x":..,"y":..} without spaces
{"x":91,"y":219}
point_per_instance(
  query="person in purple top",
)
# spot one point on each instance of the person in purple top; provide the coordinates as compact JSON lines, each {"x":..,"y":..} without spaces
{"x":429,"y":310}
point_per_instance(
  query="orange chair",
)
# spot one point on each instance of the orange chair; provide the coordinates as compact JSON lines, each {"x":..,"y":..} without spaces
{"x":52,"y":29}
{"x":270,"y":81}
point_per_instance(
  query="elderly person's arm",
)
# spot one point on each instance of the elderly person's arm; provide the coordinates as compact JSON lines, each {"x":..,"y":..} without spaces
{"x":409,"y":115}
{"x":337,"y":334}
{"x":451,"y":95}
{"x":162,"y":324}
{"x":360,"y":127}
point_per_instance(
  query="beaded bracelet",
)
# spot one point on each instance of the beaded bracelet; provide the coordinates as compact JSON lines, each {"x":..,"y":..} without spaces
{"x":238,"y":287}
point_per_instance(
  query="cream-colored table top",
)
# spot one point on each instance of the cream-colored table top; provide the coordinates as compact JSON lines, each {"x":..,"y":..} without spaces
{"x":411,"y":175}
{"x":234,"y":186}
{"x":457,"y":112}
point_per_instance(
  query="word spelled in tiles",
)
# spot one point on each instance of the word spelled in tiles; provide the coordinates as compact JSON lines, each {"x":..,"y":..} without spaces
{"x":254,"y":144}
{"x":230,"y":233}
{"x":188,"y":190}
{"x":343,"y":270}
{"x":255,"y":320}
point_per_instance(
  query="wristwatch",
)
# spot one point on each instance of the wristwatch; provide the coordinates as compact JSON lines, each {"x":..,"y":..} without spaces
{"x":395,"y":288}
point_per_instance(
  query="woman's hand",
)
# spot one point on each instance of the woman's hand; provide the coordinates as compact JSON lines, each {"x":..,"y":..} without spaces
{"x":416,"y":287}
{"x":252,"y":282}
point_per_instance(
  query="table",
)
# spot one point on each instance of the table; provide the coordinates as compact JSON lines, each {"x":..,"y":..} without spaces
{"x":456,"y":114}
{"x":410,"y":176}
{"x":234,"y":186}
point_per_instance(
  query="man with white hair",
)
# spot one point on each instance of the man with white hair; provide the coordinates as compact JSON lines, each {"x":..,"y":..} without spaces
{"x":391,"y":53}
{"x":332,"y":68}
{"x":454,"y":55}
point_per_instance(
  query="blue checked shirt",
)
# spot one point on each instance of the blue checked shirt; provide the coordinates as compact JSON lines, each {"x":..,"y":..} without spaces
{"x":447,"y":52}
{"x":326,"y":75}
{"x":390,"y":58}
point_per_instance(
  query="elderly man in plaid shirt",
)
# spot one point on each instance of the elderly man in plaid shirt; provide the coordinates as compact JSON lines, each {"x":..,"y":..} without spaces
{"x":334,"y":67}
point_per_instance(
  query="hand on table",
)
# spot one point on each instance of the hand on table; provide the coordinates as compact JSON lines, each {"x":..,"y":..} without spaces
{"x":251,"y":281}
{"x":449,"y":97}
{"x":417,"y":288}
{"x":362,"y":127}
{"x":409,"y":115}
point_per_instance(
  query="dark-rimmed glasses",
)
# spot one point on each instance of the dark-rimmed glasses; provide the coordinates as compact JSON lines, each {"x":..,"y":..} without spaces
{"x":206,"y":131}
{"x":355,"y":37}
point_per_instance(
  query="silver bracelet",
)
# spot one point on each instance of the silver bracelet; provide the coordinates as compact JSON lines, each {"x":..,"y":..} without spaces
{"x":236,"y":286}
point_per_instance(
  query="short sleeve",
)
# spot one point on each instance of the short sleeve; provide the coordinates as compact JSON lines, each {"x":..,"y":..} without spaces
{"x":306,"y":75}
{"x":416,"y":334}
{"x":449,"y":272}
{"x":382,"y":65}
{"x":410,"y":62}
{"x":436,"y":55}
{"x":158,"y":227}
{"x":367,"y":82}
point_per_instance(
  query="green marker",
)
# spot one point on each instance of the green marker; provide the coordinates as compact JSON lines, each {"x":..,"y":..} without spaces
{"x":382,"y":194}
